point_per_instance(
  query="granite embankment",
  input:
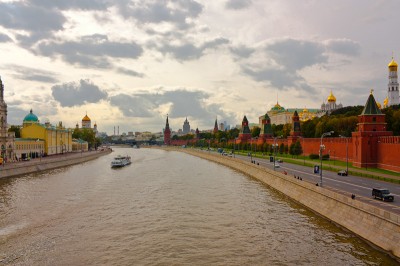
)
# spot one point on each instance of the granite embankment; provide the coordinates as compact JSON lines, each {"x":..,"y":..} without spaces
{"x":48,"y":163}
{"x":380,"y":227}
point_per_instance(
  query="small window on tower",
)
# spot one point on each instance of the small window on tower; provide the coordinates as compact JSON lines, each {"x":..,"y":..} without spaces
{"x":374,"y":119}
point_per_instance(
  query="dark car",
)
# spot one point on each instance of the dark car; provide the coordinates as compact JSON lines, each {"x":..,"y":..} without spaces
{"x":342,"y":173}
{"x":383,"y":194}
{"x":279,"y":161}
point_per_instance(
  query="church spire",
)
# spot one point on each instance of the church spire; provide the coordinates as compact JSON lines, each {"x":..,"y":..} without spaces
{"x":216,"y":125}
{"x":1,"y":91}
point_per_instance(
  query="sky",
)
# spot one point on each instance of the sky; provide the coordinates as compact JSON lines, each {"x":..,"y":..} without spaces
{"x":129,"y":63}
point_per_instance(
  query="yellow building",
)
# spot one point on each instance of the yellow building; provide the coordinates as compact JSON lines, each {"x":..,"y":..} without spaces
{"x":28,"y":148}
{"x":57,"y":139}
{"x":79,"y":145}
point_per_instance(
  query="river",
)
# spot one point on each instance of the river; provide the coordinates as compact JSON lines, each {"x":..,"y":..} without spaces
{"x":166,"y":208}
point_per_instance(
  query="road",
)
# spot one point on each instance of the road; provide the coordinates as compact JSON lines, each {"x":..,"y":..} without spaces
{"x":359,"y":186}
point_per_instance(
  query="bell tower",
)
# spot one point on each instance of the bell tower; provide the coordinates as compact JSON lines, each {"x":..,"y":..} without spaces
{"x":393,"y":85}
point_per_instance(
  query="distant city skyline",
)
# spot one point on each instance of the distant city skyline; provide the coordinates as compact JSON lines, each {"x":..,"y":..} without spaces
{"x":130,"y":63}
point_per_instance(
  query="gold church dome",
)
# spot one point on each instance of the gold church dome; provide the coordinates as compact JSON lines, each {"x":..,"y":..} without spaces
{"x":385,"y":102}
{"x":331,"y":98}
{"x":86,"y":118}
{"x":379,"y":105}
{"x":392,"y":64}
{"x":305,"y":110}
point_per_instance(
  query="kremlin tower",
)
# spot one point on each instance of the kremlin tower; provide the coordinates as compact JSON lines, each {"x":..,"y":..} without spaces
{"x":167,"y":133}
{"x":393,"y":85}
{"x":215,"y":126}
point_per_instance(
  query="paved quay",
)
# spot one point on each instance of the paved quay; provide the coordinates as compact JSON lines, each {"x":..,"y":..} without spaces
{"x":10,"y":169}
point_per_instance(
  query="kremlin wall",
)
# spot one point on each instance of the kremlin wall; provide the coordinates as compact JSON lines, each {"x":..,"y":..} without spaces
{"x":372,"y":146}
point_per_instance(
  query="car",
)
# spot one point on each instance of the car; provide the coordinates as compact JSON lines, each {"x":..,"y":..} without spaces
{"x":277,"y":165}
{"x":279,"y":161}
{"x":383,"y":194}
{"x":342,"y":173}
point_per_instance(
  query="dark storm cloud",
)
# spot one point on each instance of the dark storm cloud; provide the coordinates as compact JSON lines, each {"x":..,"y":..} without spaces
{"x":76,"y":94}
{"x":177,"y":11}
{"x":91,"y":50}
{"x":4,"y":38}
{"x":130,"y":72}
{"x":189,"y":51}
{"x":343,"y":46}
{"x":33,"y":74}
{"x":297,"y":54}
{"x":237,"y":4}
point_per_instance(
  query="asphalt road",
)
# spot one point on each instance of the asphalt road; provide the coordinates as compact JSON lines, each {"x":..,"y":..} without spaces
{"x":361,"y":187}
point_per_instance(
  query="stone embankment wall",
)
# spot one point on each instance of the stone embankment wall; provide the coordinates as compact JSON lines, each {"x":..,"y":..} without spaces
{"x":48,"y":163}
{"x":380,"y":227}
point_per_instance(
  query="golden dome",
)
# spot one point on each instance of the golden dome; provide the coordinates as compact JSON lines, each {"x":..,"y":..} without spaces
{"x":305,"y":110}
{"x":86,"y":118}
{"x":392,"y":63}
{"x":331,"y":98}
{"x":379,"y":105}
{"x":385,"y":102}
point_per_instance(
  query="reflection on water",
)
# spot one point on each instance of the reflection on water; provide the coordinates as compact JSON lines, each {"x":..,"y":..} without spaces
{"x":165,"y":208}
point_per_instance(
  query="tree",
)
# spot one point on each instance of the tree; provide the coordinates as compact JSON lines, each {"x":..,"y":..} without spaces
{"x":16,"y":130}
{"x":281,"y":148}
{"x":255,"y":131}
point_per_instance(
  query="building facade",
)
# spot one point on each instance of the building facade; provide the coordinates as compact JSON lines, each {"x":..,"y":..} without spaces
{"x":186,"y":127}
{"x":331,"y":104}
{"x":57,"y":139}
{"x":6,"y":138}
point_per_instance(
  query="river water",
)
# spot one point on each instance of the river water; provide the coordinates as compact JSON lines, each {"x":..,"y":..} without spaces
{"x":166,"y":208}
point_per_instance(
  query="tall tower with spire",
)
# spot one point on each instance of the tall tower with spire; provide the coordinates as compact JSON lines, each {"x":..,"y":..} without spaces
{"x":215,"y":126}
{"x":371,"y":126}
{"x":186,"y":127}
{"x":6,"y":138}
{"x":393,"y":85}
{"x":167,"y":133}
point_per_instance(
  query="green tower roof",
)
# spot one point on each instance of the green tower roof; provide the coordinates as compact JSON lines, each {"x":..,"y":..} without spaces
{"x":371,"y":108}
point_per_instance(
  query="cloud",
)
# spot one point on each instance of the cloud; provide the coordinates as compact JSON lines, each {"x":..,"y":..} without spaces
{"x":182,"y":103}
{"x":237,"y":4}
{"x":72,"y":4}
{"x":188,"y":51}
{"x":76,"y":94}
{"x":278,"y":63}
{"x":177,"y":12}
{"x":21,"y":16}
{"x":133,"y":106}
{"x":4,"y":38}
{"x":91,"y":50}
{"x":33,"y":74}
{"x":242,"y":51}
{"x":129,"y":72}
{"x":296,"y":54}
{"x":343,"y":46}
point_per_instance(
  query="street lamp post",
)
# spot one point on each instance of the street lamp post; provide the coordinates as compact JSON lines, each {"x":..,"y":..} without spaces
{"x":251,"y":149}
{"x":321,"y":148}
{"x":347,"y":153}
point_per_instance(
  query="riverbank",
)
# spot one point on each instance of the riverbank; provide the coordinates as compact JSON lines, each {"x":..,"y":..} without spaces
{"x":48,"y":163}
{"x":377,"y":226}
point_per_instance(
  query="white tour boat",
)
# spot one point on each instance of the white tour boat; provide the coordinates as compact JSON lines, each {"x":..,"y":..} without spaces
{"x":120,"y":161}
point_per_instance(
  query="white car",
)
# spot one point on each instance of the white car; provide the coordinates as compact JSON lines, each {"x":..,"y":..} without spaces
{"x":277,"y":165}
